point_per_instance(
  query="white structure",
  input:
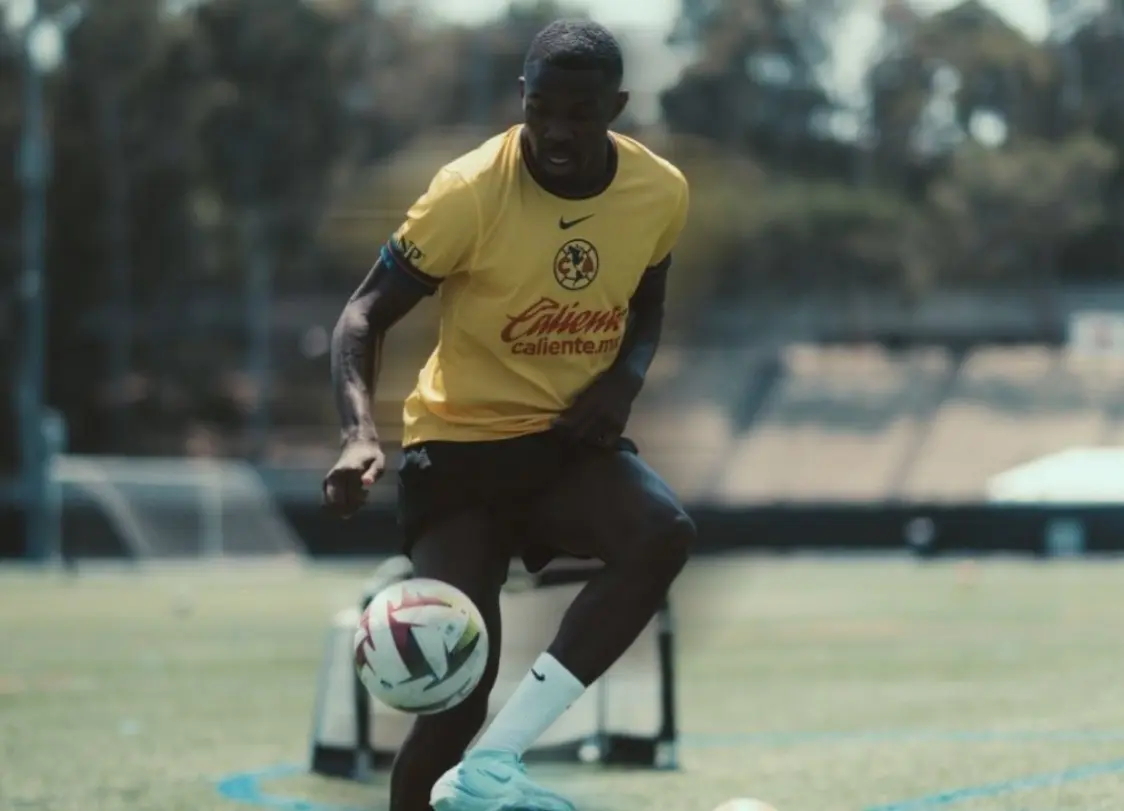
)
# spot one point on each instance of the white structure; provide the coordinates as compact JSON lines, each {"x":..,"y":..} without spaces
{"x":1076,"y":476}
{"x":165,"y":508}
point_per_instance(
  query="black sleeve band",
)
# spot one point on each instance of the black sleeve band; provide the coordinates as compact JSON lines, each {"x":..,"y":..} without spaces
{"x":392,"y":257}
{"x":662,"y":265}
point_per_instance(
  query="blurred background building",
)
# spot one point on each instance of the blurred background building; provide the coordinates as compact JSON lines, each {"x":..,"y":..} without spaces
{"x":901,"y":277}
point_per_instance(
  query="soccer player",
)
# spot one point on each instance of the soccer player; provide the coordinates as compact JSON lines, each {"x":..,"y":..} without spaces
{"x":549,"y":246}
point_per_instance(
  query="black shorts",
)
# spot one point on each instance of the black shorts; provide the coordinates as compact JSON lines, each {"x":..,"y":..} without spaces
{"x":545,"y":496}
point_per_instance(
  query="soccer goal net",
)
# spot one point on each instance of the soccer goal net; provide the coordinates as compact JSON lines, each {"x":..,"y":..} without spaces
{"x":627,"y":718}
{"x":151,"y":508}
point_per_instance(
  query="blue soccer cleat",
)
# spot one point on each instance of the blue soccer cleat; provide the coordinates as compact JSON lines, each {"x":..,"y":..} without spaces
{"x":493,"y":781}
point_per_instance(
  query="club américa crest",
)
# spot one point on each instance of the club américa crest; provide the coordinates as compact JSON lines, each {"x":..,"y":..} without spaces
{"x":576,"y":265}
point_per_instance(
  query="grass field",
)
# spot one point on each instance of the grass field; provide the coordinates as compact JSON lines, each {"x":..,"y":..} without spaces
{"x":817,"y":685}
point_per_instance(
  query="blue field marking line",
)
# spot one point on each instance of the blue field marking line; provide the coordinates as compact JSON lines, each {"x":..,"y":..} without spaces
{"x":723,"y":740}
{"x":246,"y":787}
{"x":1047,"y":780}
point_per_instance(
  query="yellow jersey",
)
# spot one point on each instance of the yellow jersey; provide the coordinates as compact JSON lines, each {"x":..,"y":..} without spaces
{"x":534,"y":289}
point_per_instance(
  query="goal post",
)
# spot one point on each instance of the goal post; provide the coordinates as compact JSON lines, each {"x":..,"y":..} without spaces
{"x":164,"y":508}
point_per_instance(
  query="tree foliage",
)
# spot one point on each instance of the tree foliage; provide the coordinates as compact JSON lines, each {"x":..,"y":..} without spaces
{"x":994,"y":156}
{"x":198,"y":150}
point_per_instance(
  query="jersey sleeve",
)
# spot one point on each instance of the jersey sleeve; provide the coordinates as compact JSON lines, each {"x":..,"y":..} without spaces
{"x":674,"y":227}
{"x":438,"y":236}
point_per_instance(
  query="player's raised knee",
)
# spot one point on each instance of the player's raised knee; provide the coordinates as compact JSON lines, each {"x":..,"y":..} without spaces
{"x":682,"y":535}
{"x":666,"y":551}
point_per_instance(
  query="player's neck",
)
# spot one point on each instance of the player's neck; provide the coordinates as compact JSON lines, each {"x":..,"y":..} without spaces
{"x":588,"y":184}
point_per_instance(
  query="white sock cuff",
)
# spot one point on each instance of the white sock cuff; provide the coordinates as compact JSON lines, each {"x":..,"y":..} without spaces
{"x":550,"y":669}
{"x":543,"y":696}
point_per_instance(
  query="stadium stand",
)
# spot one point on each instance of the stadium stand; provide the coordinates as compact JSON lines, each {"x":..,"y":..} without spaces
{"x":1007,"y":407}
{"x":728,"y":424}
{"x":838,"y":426}
{"x":688,"y":413}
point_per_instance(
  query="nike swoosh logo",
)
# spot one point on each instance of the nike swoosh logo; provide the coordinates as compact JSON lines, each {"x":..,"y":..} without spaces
{"x":564,"y":225}
{"x":499,"y":778}
{"x":538,"y":676}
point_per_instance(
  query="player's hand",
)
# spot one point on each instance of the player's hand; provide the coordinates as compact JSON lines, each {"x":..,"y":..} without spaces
{"x":360,"y":465}
{"x":599,"y":414}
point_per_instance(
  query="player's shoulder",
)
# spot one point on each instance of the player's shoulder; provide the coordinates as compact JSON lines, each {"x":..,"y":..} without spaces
{"x":485,"y":170}
{"x":639,"y":162}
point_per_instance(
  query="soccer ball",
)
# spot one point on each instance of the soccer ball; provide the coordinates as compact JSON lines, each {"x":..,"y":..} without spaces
{"x":421,"y":646}
{"x":744,"y":804}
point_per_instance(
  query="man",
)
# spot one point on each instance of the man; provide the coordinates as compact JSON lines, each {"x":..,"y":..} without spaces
{"x":550,"y":247}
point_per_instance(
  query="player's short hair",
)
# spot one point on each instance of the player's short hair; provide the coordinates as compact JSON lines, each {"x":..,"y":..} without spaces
{"x":578,"y":45}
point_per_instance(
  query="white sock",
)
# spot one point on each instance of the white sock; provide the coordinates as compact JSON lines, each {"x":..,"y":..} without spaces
{"x":545,"y":693}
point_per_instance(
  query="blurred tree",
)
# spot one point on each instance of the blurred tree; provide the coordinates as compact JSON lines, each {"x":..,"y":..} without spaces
{"x":271,"y":141}
{"x":276,"y":124}
{"x":167,"y":126}
{"x":1095,"y":64}
{"x":204,"y":156}
{"x":418,"y":77}
{"x":439,"y":91}
{"x":10,"y":120}
{"x":824,"y":237}
{"x":1003,"y":215}
{"x":119,"y":232}
{"x":760,"y":64}
{"x":1092,"y":50}
{"x":402,"y":68}
{"x":486,"y":94}
{"x":961,"y":73}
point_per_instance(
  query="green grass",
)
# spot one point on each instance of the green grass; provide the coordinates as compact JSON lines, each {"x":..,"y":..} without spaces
{"x":127,"y":691}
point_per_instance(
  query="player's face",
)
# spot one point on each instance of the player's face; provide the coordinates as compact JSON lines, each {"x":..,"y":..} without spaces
{"x":567,"y":115}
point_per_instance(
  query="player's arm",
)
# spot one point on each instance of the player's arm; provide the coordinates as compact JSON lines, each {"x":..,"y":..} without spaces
{"x":380,"y":301}
{"x":600,"y":413}
{"x":644,"y":326}
{"x":435,"y":241}
{"x":646,"y":307}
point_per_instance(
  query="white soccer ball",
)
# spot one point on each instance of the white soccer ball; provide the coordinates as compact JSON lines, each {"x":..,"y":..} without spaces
{"x":744,"y":804}
{"x":421,"y":646}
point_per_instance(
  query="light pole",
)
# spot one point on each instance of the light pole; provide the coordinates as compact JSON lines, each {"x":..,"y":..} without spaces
{"x":40,"y":38}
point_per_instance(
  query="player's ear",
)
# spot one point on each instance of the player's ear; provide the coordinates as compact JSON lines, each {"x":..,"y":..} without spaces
{"x":619,"y":103}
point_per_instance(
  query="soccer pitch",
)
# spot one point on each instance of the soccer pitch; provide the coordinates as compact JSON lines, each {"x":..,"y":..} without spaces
{"x":818,"y":685}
